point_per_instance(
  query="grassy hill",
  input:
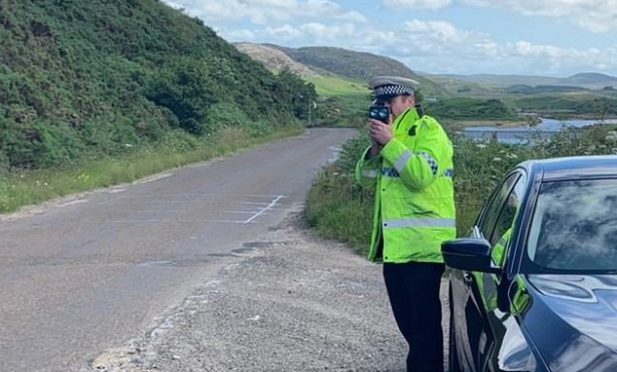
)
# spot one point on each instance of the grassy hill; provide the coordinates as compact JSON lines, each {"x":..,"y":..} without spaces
{"x":332,"y":86}
{"x":343,"y":101}
{"x":356,"y":65}
{"x":274,"y":59}
{"x":341,"y":77}
{"x":348,"y":63}
{"x":88,"y":79}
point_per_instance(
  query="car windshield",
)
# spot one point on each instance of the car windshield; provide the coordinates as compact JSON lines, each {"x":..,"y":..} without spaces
{"x":574,"y":227}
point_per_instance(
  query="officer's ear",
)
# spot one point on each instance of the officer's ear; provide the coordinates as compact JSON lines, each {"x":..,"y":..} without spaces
{"x":410,"y":100}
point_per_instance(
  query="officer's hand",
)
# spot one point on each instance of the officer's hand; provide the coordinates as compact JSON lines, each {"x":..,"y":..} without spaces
{"x":375,"y":148}
{"x":380,"y":132}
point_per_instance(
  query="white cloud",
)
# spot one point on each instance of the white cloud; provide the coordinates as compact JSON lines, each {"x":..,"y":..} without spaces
{"x":173,"y":4}
{"x":264,"y":12}
{"x":285,"y":32}
{"x":437,"y":30}
{"x":527,"y":49}
{"x":279,"y":3}
{"x":322,"y":33}
{"x":564,"y":59}
{"x":320,"y":6}
{"x":352,"y":16}
{"x":239,"y":35}
{"x":593,"y":15}
{"x":426,"y":45}
{"x":416,"y":4}
{"x":439,"y":46}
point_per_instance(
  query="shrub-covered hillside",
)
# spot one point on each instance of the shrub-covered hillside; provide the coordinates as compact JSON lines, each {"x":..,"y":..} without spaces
{"x":94,"y":78}
{"x":471,"y":108}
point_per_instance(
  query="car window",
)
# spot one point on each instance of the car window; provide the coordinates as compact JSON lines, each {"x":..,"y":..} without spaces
{"x":508,"y":211}
{"x":500,"y":237}
{"x":574,"y":226}
{"x":492,"y":210}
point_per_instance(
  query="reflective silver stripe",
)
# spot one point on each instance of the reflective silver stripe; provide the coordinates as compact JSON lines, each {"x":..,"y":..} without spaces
{"x":369,"y":173}
{"x":449,"y":173}
{"x":402,"y":161}
{"x":420,"y":222}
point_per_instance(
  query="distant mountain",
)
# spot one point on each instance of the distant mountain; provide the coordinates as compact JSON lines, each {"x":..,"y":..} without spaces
{"x":540,"y":89}
{"x":587,"y":80}
{"x":350,"y":64}
{"x":274,"y":59}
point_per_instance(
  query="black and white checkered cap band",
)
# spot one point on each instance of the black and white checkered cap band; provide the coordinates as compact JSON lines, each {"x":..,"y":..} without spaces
{"x":386,"y":91}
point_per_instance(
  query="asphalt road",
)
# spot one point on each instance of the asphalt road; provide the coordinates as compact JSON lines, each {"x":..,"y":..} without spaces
{"x":85,"y":274}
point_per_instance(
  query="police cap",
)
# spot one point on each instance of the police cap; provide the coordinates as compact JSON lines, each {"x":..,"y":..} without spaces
{"x":386,"y":87}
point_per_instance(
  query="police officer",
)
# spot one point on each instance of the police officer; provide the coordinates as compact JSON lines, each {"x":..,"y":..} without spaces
{"x":410,"y":166}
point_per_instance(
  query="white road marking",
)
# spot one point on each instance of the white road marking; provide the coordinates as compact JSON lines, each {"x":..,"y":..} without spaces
{"x":191,"y":194}
{"x":151,"y":220}
{"x":272,"y":204}
{"x":245,"y":212}
{"x":261,"y":209}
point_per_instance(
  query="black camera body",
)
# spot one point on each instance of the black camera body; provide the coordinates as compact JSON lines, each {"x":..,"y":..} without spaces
{"x":379,"y":112}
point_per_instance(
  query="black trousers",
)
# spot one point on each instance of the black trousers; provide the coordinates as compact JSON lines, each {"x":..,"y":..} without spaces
{"x":413,"y":289}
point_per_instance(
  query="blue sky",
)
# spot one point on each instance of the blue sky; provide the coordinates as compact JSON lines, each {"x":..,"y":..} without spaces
{"x":530,"y":37}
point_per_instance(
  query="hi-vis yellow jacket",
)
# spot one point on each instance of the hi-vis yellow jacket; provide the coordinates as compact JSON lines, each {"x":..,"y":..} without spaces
{"x":414,"y":199}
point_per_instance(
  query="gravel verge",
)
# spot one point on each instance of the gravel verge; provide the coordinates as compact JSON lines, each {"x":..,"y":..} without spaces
{"x":287,"y":301}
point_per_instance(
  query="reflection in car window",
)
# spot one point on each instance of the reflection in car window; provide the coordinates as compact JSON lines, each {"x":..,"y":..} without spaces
{"x":492,"y":210}
{"x":503,"y":228}
{"x":575,"y":226}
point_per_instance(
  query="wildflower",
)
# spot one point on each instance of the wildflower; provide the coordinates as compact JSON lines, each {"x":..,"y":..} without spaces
{"x":612,"y":135}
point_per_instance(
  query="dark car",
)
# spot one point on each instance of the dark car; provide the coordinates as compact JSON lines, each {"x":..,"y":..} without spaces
{"x":534,"y":287}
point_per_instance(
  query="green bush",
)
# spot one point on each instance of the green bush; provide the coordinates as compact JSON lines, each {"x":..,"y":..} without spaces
{"x":470,"y":108}
{"x":57,"y":145}
{"x":578,"y":105}
{"x":84,"y":79}
{"x":338,"y":209}
{"x":229,"y":115}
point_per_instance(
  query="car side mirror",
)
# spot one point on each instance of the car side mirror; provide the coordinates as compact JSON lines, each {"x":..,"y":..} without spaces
{"x":469,"y":254}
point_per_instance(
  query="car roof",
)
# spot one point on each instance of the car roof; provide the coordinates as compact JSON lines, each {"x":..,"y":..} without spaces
{"x":576,"y":167}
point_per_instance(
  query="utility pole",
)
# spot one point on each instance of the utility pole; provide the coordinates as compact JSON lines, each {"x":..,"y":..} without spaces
{"x":310,"y":103}
{"x":309,"y":111}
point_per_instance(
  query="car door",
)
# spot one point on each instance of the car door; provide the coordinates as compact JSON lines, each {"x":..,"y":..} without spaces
{"x":493,"y":288}
{"x":472,"y":331}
